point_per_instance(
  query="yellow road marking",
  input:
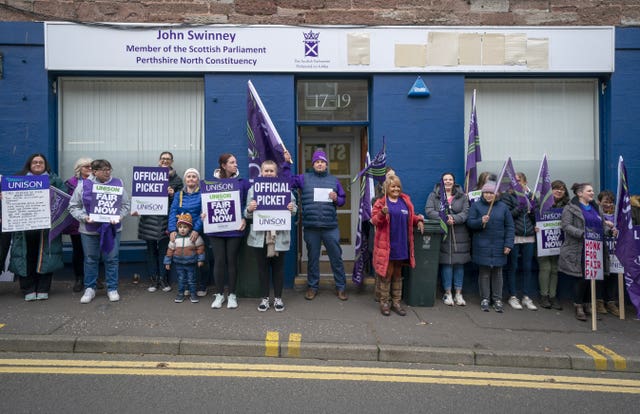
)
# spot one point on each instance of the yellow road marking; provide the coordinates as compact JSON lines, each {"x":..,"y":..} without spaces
{"x":619,"y":363}
{"x":599,"y":360}
{"x":272,"y":344}
{"x":328,"y":373}
{"x":294,"y":344}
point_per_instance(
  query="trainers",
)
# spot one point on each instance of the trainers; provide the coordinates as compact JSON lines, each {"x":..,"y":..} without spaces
{"x":515,"y":303}
{"x":179,"y":298}
{"x":278,"y":304}
{"x":42,"y":296}
{"x":232,"y":302}
{"x":30,"y":296}
{"x":448,"y":300}
{"x":88,"y":296}
{"x":459,"y":300}
{"x":113,"y":295}
{"x":526,"y":301}
{"x":484,"y":305}
{"x":497,"y":306}
{"x":152,"y":288}
{"x":218,"y":301}
{"x":202,"y":293}
{"x":264,"y":305}
{"x":165,"y":286}
{"x":194,"y":299}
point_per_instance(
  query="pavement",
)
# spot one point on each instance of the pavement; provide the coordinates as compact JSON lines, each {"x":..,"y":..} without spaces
{"x":325,"y":328}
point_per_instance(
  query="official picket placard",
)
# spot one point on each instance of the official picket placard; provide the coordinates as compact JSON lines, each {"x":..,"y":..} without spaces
{"x":150,"y":191}
{"x":615,"y":266}
{"x":593,"y":254}
{"x":550,"y":235}
{"x":272,"y":196}
{"x":221,"y":205}
{"x":25,"y":203}
{"x":106,"y":202}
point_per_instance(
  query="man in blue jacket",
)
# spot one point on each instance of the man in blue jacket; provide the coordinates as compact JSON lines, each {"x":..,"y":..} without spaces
{"x":322,"y":194}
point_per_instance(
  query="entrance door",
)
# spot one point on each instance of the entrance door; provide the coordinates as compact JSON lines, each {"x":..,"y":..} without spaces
{"x":342,"y":146}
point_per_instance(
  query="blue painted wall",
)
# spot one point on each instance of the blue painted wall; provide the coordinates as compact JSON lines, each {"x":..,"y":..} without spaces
{"x":25,"y":123}
{"x":625,"y":108}
{"x":226,"y":125}
{"x":425,"y":136}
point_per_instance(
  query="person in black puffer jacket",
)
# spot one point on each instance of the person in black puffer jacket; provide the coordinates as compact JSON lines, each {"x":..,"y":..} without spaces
{"x":154,"y":231}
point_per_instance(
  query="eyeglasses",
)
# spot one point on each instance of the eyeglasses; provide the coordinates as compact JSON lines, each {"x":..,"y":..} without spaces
{"x":104,"y":169}
{"x":86,"y":166}
{"x":166,"y":159}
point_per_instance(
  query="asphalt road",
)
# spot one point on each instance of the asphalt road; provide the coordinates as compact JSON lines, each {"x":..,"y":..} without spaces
{"x":63,"y":383}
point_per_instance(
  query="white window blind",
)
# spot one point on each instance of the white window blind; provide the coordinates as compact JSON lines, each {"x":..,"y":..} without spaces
{"x":526,"y":118}
{"x":130,"y":122}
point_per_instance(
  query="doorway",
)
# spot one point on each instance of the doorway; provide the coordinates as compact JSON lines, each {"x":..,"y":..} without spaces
{"x":342,"y":146}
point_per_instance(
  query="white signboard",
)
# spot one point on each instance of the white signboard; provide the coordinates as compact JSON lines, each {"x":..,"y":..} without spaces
{"x":229,"y":48}
{"x":25,"y":203}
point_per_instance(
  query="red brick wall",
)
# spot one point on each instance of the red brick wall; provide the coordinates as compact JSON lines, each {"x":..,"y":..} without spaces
{"x":300,"y":12}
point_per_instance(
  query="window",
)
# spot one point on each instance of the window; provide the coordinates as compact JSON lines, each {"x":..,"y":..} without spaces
{"x":130,"y":122}
{"x":526,"y":118}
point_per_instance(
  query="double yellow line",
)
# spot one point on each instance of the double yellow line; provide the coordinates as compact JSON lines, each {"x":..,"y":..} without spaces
{"x":272,"y":344}
{"x":326,"y":373}
{"x":600,"y":358}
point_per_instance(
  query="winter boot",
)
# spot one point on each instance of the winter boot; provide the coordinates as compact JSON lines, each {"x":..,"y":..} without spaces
{"x":600,"y":307}
{"x":612,"y":308}
{"x":580,"y":312}
{"x":544,"y":302}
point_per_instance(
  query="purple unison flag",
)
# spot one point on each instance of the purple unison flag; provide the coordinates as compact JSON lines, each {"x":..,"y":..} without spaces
{"x":474,"y":155}
{"x":507,"y":181}
{"x":627,"y":248}
{"x":543,"y":192}
{"x":60,"y":217}
{"x":373,"y":170}
{"x":264,"y":141}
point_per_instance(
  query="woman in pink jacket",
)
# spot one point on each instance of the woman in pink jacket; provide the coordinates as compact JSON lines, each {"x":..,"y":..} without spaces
{"x":394,"y":218}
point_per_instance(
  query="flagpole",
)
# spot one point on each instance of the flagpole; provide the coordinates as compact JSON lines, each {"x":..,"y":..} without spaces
{"x":594,"y":311}
{"x":621,"y":295}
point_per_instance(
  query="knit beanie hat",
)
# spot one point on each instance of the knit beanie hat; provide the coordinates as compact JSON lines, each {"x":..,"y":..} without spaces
{"x":319,"y":155}
{"x":489,"y":187}
{"x":191,"y":170}
{"x":185,"y":219}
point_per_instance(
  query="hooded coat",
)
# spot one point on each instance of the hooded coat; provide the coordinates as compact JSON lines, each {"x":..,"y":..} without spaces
{"x":456,"y":248}
{"x":489,"y":241}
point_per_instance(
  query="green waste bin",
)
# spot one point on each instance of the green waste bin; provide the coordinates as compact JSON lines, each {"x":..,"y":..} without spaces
{"x":248,"y":283}
{"x":420,"y":283}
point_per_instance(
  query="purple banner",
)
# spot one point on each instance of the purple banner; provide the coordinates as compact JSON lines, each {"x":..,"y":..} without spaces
{"x":473,"y":149}
{"x":628,"y":246}
{"x":60,"y":217}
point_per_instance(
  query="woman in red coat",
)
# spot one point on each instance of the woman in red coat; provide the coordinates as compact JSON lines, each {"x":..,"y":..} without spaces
{"x":394,"y":218}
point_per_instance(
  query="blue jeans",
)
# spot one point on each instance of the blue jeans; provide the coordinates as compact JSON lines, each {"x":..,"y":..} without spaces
{"x":452,"y":272}
{"x":156,"y":251}
{"x":186,"y":277}
{"x":92,"y":255}
{"x":527,"y":250}
{"x":313,"y":237}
